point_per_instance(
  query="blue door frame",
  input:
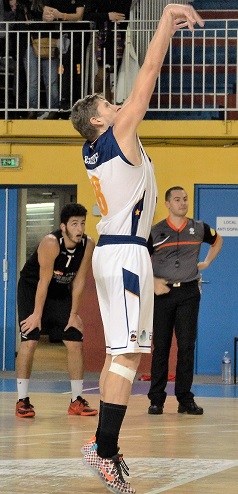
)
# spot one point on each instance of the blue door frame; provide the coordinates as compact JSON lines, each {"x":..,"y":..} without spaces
{"x":218,"y":314}
{"x":8,"y":277}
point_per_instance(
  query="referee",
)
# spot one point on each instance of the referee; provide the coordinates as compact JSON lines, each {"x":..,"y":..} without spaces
{"x":176,"y":245}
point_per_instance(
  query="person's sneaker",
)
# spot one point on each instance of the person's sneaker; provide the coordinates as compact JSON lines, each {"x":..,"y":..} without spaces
{"x":110,"y":471}
{"x":24,"y":408}
{"x":155,"y":409}
{"x":89,"y":446}
{"x":81,"y":407}
{"x":92,"y":461}
{"x":191,"y":408}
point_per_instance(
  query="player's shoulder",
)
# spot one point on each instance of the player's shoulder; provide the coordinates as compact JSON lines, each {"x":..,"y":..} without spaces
{"x":49,"y":242}
{"x":90,"y":242}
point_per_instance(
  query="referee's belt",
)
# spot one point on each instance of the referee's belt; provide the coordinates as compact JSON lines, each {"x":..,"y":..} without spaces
{"x":178,"y":284}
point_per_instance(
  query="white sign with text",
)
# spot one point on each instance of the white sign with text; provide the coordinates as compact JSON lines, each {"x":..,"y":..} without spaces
{"x":227,"y":226}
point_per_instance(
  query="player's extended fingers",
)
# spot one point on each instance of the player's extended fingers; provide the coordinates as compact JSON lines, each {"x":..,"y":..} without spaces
{"x":193,"y":17}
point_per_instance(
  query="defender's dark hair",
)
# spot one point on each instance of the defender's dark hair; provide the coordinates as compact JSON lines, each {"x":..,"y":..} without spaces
{"x":82,"y":111}
{"x":168,"y":192}
{"x":72,"y":209}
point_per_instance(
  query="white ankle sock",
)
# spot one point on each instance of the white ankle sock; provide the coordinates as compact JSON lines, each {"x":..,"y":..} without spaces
{"x":76,"y":388}
{"x":22,"y":388}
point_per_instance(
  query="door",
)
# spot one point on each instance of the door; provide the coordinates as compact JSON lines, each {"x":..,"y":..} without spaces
{"x":26,"y":216}
{"x":8,"y":267}
{"x":217,"y":205}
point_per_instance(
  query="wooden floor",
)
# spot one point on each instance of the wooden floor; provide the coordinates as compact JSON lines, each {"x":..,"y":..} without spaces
{"x":172,"y":453}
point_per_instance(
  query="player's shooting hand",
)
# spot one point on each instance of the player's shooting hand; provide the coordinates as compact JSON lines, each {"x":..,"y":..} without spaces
{"x":160,"y":286}
{"x":76,"y":322}
{"x":183,"y":16}
{"x":31,"y":322}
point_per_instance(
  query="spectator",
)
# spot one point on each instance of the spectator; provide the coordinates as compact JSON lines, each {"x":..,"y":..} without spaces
{"x":2,"y":29}
{"x":16,"y":69}
{"x":71,"y":12}
{"x":13,"y":6}
{"x":7,"y":13}
{"x":105,"y":14}
{"x":32,"y":10}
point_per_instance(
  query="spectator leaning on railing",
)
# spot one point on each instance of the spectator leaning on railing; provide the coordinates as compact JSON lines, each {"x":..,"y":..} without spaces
{"x":105,"y":14}
{"x":70,"y":12}
{"x":5,"y":15}
{"x":2,"y":29}
{"x":28,"y":11}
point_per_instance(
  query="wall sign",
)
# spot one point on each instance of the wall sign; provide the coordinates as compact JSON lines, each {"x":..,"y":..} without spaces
{"x":227,"y":226}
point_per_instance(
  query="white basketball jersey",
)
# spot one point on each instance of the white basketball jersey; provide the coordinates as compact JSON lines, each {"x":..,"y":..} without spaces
{"x":126,"y":194}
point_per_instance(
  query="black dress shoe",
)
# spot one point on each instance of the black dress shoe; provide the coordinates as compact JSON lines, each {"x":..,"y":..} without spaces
{"x":191,"y":408}
{"x":155,"y":409}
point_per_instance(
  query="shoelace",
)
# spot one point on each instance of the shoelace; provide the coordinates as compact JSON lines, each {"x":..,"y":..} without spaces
{"x":84,"y":402}
{"x":27,"y":404}
{"x":121,"y":465}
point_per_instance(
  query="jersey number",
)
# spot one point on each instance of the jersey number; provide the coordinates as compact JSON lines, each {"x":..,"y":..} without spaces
{"x":69,"y":260}
{"x":99,"y":196}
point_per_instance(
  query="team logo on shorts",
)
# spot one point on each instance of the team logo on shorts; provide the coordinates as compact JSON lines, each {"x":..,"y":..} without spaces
{"x":132,"y":336}
{"x":143,"y":336}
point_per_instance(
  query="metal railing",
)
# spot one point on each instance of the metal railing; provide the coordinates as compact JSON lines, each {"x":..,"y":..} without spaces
{"x":198,"y":79}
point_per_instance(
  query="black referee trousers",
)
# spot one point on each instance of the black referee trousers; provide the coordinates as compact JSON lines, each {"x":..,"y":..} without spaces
{"x":177,"y":310}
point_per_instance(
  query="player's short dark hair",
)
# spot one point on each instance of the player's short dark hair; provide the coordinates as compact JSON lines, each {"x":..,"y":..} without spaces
{"x":72,"y":209}
{"x":168,"y":192}
{"x":82,"y":111}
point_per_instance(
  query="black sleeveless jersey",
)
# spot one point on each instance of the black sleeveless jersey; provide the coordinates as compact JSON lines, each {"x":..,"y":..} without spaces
{"x":66,"y":265}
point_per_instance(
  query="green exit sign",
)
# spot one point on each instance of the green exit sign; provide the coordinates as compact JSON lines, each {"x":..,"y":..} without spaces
{"x":10,"y":162}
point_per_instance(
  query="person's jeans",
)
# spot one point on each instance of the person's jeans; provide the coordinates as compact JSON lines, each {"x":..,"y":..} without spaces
{"x":48,"y":72}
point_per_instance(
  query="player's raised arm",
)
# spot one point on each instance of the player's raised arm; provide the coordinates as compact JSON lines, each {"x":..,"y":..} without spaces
{"x":174,"y":17}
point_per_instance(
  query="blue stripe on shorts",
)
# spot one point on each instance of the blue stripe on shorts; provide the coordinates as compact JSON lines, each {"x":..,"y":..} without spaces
{"x":121,"y":239}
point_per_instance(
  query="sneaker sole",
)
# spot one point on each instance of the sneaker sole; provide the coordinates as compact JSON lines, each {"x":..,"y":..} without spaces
{"x":95,"y":471}
{"x":113,"y":489}
{"x":28,"y":415}
{"x":83,"y":414}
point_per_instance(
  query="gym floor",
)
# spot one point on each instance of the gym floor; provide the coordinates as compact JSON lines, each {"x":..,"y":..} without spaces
{"x":172,"y":453}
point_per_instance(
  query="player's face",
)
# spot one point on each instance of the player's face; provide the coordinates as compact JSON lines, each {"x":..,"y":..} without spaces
{"x":74,"y":230}
{"x":178,"y":203}
{"x":107,"y":112}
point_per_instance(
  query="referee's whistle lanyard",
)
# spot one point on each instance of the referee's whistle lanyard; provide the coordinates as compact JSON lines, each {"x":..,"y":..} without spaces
{"x":177,"y":262}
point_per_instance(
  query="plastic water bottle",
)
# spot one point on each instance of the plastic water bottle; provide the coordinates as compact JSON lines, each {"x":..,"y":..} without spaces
{"x":226,"y":368}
